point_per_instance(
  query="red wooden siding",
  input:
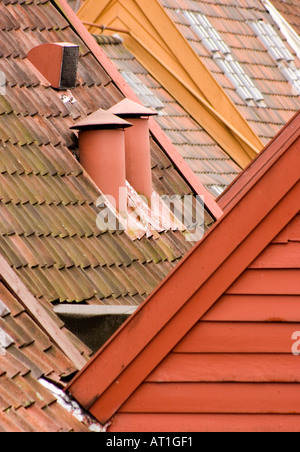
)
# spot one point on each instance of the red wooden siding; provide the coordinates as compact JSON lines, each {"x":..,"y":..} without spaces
{"x":206,"y":422}
{"x":234,"y":371}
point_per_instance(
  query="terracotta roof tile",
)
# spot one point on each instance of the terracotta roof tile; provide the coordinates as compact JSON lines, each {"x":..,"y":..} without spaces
{"x":27,"y":354}
{"x":48,"y":230}
{"x":290,"y":9}
{"x":47,"y":204}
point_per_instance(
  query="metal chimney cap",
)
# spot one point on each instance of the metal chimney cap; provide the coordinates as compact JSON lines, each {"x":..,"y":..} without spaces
{"x":130,"y":109}
{"x":101,"y":119}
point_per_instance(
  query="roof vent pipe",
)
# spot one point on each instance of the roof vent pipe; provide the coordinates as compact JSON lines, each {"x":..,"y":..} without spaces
{"x":137,"y":145}
{"x":102,"y":151}
{"x":57,"y":62}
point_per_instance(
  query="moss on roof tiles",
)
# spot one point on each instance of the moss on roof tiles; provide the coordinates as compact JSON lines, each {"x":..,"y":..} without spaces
{"x":47,"y":203}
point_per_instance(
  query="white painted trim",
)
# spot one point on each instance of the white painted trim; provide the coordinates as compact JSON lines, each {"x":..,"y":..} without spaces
{"x":93,"y":311}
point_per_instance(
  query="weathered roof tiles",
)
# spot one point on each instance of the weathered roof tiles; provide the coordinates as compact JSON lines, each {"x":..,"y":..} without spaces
{"x":48,"y":212}
{"x":27,"y":354}
{"x":290,"y":9}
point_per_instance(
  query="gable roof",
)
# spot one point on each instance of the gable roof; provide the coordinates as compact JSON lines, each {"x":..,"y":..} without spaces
{"x":214,"y":168}
{"x":48,"y":231}
{"x":245,"y":58}
{"x":265,"y":200}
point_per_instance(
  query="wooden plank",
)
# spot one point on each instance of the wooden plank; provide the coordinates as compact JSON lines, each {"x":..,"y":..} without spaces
{"x":279,"y":256}
{"x":227,"y":367}
{"x":215,"y":398}
{"x":268,"y":282}
{"x":204,"y":423}
{"x":255,"y":308}
{"x":214,"y":337}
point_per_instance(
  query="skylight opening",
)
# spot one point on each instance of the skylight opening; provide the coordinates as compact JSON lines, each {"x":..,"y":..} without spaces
{"x":224,"y":58}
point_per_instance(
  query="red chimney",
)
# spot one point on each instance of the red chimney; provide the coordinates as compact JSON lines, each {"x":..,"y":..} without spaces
{"x":137,"y":145}
{"x":57,"y":62}
{"x":102,"y":151}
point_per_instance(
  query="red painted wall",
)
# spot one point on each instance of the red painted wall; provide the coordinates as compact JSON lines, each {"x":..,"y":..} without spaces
{"x":234,"y":371}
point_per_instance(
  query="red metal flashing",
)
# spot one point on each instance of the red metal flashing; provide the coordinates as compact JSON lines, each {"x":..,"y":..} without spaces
{"x":159,"y":136}
{"x":255,"y":217}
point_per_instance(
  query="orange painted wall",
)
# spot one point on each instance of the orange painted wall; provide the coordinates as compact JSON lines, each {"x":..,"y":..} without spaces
{"x":234,"y":371}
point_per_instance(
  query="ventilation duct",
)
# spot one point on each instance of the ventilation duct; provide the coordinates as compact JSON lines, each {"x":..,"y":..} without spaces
{"x":57,"y":62}
{"x":137,"y":145}
{"x":102,"y":151}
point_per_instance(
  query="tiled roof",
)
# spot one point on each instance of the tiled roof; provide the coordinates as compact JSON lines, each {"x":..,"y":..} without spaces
{"x":26,"y":355}
{"x":215,"y":169}
{"x":290,"y":9}
{"x":232,"y":20}
{"x":48,"y":230}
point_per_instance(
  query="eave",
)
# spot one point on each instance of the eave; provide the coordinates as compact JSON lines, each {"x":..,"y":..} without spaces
{"x":159,"y":46}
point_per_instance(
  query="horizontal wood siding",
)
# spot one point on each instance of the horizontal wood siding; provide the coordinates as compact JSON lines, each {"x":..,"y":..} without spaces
{"x":140,"y":422}
{"x":246,"y":368}
{"x":238,"y":337}
{"x":268,"y":282}
{"x":234,"y":398}
{"x":291,"y":233}
{"x":234,"y":371}
{"x":255,"y":308}
{"x":279,"y":256}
